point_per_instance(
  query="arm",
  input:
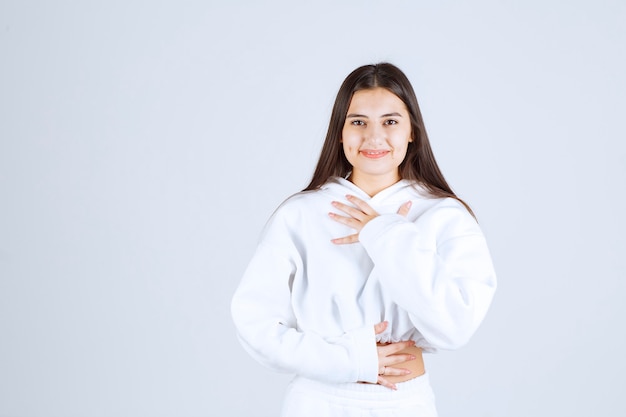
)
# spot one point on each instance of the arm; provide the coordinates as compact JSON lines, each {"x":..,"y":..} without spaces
{"x":437,"y":268}
{"x":267,"y":327}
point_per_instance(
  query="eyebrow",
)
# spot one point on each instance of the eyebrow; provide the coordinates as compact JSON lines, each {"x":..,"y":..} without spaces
{"x":394,"y":114}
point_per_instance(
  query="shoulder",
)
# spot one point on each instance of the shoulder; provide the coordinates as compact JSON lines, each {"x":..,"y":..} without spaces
{"x":445,"y":218}
{"x":312,"y":199}
{"x":298,"y":202}
{"x":293,"y":211}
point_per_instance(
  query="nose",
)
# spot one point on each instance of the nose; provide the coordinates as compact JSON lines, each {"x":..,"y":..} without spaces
{"x":375,"y":134}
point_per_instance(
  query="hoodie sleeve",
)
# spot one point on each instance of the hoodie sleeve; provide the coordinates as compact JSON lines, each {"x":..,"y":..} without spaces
{"x":268,"y":330}
{"x":437,"y":268}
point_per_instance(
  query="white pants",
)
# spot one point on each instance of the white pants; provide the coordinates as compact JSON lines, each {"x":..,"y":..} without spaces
{"x":309,"y":398}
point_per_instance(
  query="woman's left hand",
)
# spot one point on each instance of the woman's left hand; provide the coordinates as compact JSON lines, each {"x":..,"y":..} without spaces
{"x":358,"y":217}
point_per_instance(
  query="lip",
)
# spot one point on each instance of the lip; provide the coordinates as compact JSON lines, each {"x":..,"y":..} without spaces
{"x":374,"y":153}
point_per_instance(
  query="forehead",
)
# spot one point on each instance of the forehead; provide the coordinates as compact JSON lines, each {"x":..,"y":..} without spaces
{"x":376,"y":99}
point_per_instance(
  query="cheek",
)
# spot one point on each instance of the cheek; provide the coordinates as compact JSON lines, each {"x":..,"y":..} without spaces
{"x":350,"y":152}
{"x":348,"y":146}
{"x":401,"y":151}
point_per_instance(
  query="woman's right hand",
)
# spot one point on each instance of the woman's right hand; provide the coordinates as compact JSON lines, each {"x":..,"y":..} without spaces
{"x":388,"y":356}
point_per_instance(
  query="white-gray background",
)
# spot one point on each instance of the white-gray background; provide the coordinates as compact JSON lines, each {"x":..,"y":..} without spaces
{"x":144,"y":144}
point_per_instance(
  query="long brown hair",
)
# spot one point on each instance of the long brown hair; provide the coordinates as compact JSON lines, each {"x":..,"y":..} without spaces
{"x":419,"y":163}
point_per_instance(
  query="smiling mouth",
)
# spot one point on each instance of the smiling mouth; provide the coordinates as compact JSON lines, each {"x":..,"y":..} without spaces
{"x":374,"y":154}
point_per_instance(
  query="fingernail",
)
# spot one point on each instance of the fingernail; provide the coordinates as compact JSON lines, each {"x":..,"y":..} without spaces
{"x":409,"y":203}
{"x":407,"y":372}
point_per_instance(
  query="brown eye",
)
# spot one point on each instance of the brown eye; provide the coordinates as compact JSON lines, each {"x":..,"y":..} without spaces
{"x":357,"y":123}
{"x":391,"y":122}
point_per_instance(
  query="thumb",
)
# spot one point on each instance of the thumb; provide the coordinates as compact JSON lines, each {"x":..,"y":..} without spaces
{"x":405,"y":208}
{"x":380,"y":327}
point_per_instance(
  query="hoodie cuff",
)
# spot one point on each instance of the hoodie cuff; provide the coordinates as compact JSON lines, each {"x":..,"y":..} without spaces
{"x":366,"y":354}
{"x":377,"y":226}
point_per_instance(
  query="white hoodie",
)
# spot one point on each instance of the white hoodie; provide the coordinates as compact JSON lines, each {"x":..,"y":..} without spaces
{"x":308,"y":306}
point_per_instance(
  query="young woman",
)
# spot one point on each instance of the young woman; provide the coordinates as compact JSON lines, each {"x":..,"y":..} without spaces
{"x":376,"y":261}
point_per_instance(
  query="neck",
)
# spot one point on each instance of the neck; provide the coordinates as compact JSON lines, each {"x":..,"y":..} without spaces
{"x":373,"y":184}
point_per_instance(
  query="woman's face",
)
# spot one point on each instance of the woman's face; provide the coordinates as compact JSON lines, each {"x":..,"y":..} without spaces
{"x":376,"y":135}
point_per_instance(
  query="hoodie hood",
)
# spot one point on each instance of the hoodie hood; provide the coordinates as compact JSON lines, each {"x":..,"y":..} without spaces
{"x":398,"y":193}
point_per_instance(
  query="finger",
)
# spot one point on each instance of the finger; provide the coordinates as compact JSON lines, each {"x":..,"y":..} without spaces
{"x":392,"y":348}
{"x":391,"y":371}
{"x":365,"y":208}
{"x":405,"y":208}
{"x":349,"y":210}
{"x":391,"y":360}
{"x":348,"y":221}
{"x":345,"y":240}
{"x":380,"y":327}
{"x":382,"y":381}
